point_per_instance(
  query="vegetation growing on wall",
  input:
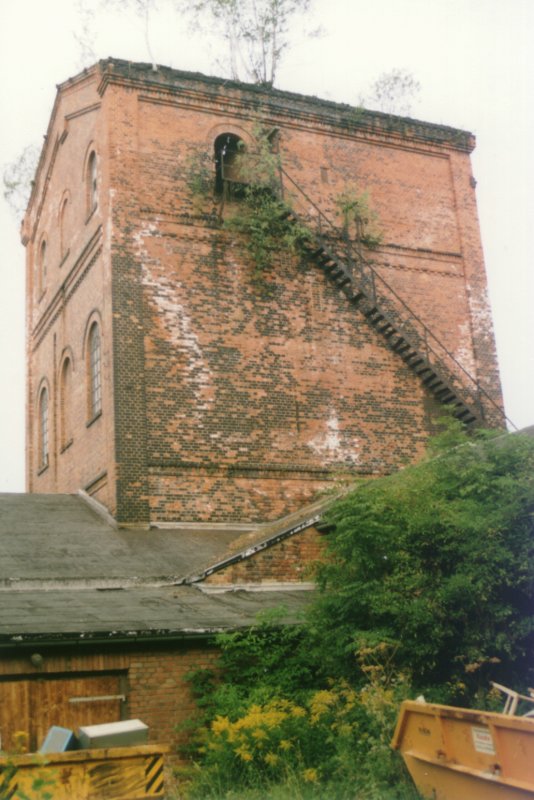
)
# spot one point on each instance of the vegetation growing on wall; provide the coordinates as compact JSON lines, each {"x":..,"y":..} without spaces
{"x":258,"y":213}
{"x":359,"y":219}
{"x":252,"y":204}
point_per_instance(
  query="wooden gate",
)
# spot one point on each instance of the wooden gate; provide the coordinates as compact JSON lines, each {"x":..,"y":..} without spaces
{"x":33,"y":705}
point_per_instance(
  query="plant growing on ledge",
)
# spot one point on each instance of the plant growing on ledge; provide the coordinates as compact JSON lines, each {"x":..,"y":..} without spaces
{"x":267,"y":226}
{"x":358,"y":218}
{"x":260,"y":215}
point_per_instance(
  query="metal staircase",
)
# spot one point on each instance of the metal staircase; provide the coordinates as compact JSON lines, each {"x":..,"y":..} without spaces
{"x":385,"y":311}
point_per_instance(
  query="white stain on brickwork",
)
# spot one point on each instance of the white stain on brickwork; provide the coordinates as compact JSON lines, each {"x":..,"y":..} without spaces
{"x":176,"y":323}
{"x":330,"y":444}
{"x":464,"y":352}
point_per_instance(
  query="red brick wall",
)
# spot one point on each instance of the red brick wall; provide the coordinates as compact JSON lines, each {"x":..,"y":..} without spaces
{"x":234,"y":399}
{"x":76,"y":291}
{"x":290,"y":560}
{"x":159,"y":692}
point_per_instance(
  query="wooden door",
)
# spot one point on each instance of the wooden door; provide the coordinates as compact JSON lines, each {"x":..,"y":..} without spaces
{"x":14,"y":712}
{"x":35,"y":704}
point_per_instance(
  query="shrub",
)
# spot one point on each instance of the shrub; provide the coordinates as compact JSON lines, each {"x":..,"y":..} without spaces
{"x":337,"y":738}
{"x":437,"y":560}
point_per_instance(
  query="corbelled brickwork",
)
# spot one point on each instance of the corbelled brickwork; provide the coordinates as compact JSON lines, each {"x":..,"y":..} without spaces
{"x":226,"y":397}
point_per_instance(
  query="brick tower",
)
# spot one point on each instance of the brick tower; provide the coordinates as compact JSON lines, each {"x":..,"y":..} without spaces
{"x":169,"y":382}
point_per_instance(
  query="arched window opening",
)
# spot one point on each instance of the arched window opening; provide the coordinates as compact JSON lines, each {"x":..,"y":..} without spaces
{"x":43,"y":428}
{"x":95,"y":371}
{"x":229,"y":149}
{"x":65,"y":403}
{"x":41,"y":280}
{"x":92,"y":183}
{"x":62,"y":232}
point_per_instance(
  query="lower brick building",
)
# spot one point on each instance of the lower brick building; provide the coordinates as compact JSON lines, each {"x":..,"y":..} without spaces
{"x":103,"y":624}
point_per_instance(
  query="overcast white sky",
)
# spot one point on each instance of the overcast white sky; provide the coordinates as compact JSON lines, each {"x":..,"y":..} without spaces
{"x":473,"y":58}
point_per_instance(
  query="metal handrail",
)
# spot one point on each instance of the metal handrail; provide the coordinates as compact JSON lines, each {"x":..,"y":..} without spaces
{"x":375,"y":276}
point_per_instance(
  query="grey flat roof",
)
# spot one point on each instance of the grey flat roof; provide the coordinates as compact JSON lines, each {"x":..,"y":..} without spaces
{"x":67,"y":574}
{"x":143,"y":612}
{"x":60,"y":538}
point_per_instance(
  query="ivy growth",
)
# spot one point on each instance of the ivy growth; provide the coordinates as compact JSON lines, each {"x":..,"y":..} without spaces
{"x":267,"y":227}
{"x":261,"y":216}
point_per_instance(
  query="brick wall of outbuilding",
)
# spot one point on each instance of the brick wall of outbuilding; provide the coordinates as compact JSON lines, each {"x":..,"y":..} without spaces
{"x":290,"y":560}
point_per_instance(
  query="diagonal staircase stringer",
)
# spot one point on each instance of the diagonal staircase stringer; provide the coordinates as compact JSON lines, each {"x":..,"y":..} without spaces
{"x":437,"y":379}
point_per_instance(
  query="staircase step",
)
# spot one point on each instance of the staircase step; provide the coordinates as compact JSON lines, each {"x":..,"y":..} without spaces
{"x":387,"y":329}
{"x":337,"y":271}
{"x":413,"y":364}
{"x":356,"y":297}
{"x":401,"y":345}
{"x":343,"y":281}
{"x":465,"y":416}
{"x":434,"y":384}
{"x":374,"y":317}
{"x":429,"y":378}
{"x":444,"y":395}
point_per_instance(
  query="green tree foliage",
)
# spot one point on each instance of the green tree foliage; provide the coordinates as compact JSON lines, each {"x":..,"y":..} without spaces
{"x":437,"y":561}
{"x":429,"y":587}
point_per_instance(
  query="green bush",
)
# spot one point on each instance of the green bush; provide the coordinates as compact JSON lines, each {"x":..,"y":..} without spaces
{"x":428,"y":587}
{"x":438,"y":561}
{"x":337,"y":738}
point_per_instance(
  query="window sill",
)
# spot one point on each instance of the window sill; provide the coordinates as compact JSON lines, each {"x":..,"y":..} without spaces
{"x":66,"y":445}
{"x":42,"y":468}
{"x":93,"y":419}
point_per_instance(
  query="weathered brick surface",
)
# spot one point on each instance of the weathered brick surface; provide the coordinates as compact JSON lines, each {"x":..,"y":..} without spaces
{"x":230,"y":398}
{"x":160,"y":694}
{"x":290,"y":560}
{"x":75,"y":292}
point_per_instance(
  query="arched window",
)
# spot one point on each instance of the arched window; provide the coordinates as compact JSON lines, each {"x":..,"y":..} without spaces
{"x":228,"y":148}
{"x":62,"y":233}
{"x":92,"y":183}
{"x":41,"y":276}
{"x":65,"y":403}
{"x":94,"y":368}
{"x":43,"y":428}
